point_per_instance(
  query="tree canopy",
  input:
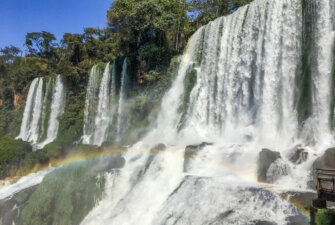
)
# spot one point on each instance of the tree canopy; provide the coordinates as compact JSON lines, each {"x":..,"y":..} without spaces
{"x":149,"y":32}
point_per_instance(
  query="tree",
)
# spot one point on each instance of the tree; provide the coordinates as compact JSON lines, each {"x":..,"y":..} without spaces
{"x":149,"y":31}
{"x":208,"y":10}
{"x":41,"y":44}
{"x":9,"y":53}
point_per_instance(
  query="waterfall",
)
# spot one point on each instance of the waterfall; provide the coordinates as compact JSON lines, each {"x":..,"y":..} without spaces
{"x":99,"y":108}
{"x":44,"y":106}
{"x":237,"y":88}
{"x":318,"y":126}
{"x":103,"y":117}
{"x":33,"y":133}
{"x":25,"y":125}
{"x":91,"y":96}
{"x":120,"y":115}
{"x":57,"y":109}
{"x":245,"y":66}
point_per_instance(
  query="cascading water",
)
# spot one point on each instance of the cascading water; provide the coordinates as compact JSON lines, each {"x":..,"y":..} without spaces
{"x":25,"y":125}
{"x":99,"y":108}
{"x":90,"y":104}
{"x":237,"y":88}
{"x":121,"y":120}
{"x":318,"y":126}
{"x":42,"y":111}
{"x":57,"y":109}
{"x":33,"y":133}
{"x":103,"y":117}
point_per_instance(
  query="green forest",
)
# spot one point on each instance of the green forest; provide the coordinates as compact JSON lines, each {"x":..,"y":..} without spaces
{"x":150,"y":33}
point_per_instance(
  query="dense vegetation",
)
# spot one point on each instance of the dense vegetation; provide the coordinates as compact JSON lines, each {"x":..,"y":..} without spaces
{"x":149,"y":32}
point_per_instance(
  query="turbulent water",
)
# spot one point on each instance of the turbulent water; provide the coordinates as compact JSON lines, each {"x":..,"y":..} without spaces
{"x":121,"y":118}
{"x":45,"y":104}
{"x":100,"y":105}
{"x":239,"y":86}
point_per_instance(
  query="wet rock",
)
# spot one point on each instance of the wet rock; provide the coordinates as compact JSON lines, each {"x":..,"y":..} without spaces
{"x":299,"y":156}
{"x":117,"y":162}
{"x":295,"y":220}
{"x":266,"y":158}
{"x":301,"y":199}
{"x":276,"y":170}
{"x":67,"y":194}
{"x":158,"y":148}
{"x":106,"y":164}
{"x":221,"y":217}
{"x":10,"y":208}
{"x":263,"y":222}
{"x":191,"y":151}
{"x":327,"y":160}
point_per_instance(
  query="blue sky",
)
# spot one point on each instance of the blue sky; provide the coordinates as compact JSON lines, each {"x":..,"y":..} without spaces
{"x":18,"y":17}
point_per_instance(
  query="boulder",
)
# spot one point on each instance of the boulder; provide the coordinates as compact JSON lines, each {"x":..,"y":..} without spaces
{"x":266,"y":158}
{"x":262,"y":222}
{"x":299,"y":156}
{"x":298,"y":219}
{"x":327,"y":160}
{"x":276,"y":170}
{"x":106,"y":164}
{"x":191,"y":151}
{"x":158,"y":148}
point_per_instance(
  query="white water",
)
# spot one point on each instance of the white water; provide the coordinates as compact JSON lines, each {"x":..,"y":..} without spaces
{"x":33,"y":132}
{"x":99,"y":107}
{"x":34,"y":122}
{"x":120,"y":114}
{"x":103,"y":117}
{"x":25,"y":125}
{"x":22,"y":184}
{"x":318,"y":126}
{"x":91,"y":96}
{"x":57,"y":109}
{"x":244,"y":99}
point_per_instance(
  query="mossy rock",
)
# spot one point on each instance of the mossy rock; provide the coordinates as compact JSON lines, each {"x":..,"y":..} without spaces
{"x":69,"y":193}
{"x":53,"y":150}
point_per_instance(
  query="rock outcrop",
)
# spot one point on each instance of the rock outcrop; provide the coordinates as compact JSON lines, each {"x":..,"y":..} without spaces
{"x":158,"y":148}
{"x":299,"y":156}
{"x":327,"y":160}
{"x":191,"y":151}
{"x":266,"y":158}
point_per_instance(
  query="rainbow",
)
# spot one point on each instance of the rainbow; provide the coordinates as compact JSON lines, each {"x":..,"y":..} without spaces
{"x":108,"y":152}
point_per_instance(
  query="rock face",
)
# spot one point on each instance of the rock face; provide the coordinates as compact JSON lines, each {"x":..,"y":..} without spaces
{"x":10,"y":208}
{"x":191,"y":151}
{"x":158,"y":148}
{"x":266,"y":158}
{"x":299,"y":156}
{"x":276,"y":170}
{"x":326,"y":161}
{"x":65,"y":196}
{"x":262,"y":222}
{"x":17,"y":98}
